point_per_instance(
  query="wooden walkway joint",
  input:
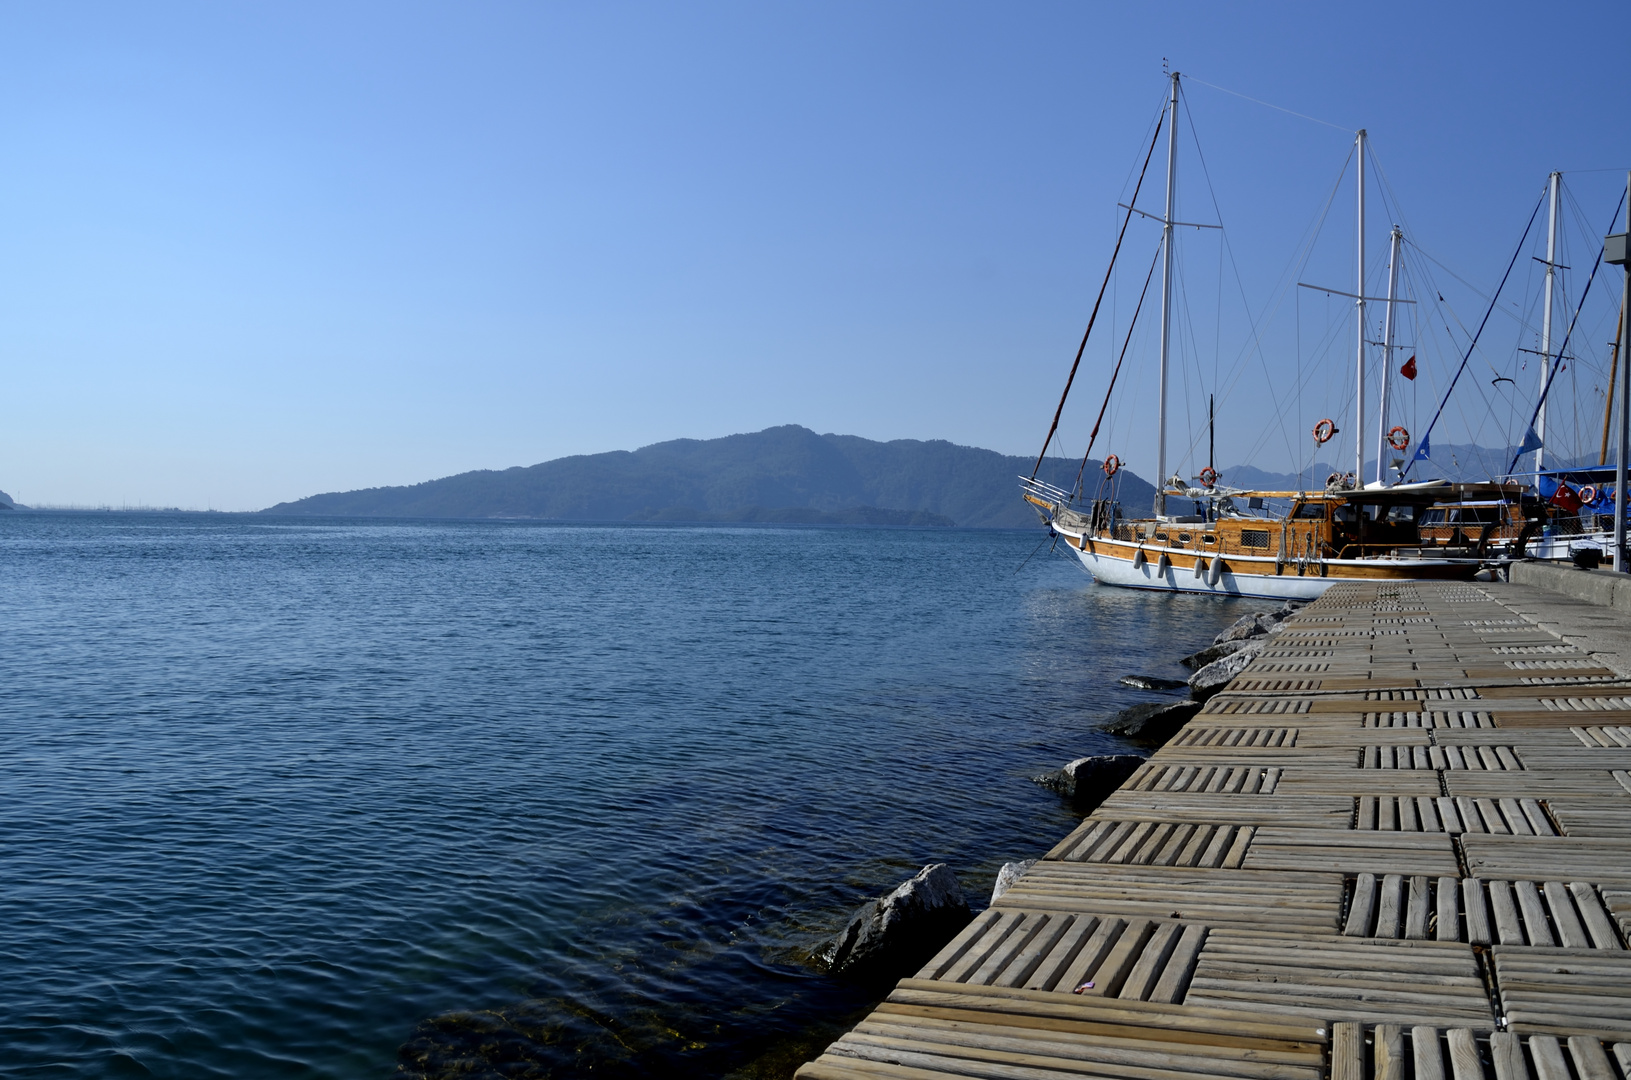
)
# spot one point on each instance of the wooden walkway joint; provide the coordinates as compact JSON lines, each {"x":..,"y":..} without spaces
{"x":1398,"y":847}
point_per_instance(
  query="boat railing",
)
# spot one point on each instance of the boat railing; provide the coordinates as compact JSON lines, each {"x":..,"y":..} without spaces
{"x":1045,"y":491}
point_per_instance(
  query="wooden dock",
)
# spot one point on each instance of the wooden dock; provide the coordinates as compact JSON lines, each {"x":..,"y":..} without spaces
{"x":1397,"y":846}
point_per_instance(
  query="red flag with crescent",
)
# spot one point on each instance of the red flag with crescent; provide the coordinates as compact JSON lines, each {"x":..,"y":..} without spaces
{"x":1567,"y":498}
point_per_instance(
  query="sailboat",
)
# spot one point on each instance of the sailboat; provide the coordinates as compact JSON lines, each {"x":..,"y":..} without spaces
{"x":1574,"y":504}
{"x":1229,"y":543}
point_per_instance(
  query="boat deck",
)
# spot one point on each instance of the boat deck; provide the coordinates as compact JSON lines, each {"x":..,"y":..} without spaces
{"x":1398,"y":846}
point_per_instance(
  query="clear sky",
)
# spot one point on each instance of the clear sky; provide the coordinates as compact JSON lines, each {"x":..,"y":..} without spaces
{"x":250,"y":252}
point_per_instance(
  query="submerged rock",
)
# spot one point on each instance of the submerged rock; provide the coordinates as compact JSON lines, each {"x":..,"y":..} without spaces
{"x":1088,"y":781}
{"x":897,"y":933}
{"x":1151,"y":682}
{"x":1155,"y":722}
{"x":1216,"y":675}
{"x":1196,"y":661}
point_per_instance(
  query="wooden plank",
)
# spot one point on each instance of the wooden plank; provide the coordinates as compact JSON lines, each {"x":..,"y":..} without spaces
{"x":1507,"y":1053}
{"x":1464,"y":1060}
{"x":1389,"y":1052}
{"x":1347,"y":1051}
{"x":1548,"y":1058}
{"x":1589,"y":1060}
{"x":1425,"y":1053}
{"x":1362,"y":907}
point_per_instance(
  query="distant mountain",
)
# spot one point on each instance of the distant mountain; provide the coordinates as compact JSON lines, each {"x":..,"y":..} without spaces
{"x":6,"y":503}
{"x":785,"y":473}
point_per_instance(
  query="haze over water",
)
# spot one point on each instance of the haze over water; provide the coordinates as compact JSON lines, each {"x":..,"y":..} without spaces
{"x":294,"y":799}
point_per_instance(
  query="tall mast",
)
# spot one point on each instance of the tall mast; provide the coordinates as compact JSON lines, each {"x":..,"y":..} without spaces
{"x":1546,"y":318}
{"x":1359,"y":301}
{"x":1387,"y":350}
{"x":1166,"y":299}
{"x":1623,"y":456}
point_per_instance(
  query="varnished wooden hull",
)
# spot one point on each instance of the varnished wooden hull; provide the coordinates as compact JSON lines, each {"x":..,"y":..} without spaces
{"x":1117,"y":562}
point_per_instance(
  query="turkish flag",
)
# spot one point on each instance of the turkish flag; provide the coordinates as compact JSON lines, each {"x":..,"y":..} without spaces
{"x":1409,"y":369}
{"x":1566,"y":498}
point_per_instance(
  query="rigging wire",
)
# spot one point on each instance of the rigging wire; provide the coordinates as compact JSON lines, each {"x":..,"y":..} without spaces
{"x":1596,"y":265}
{"x":1114,"y":374}
{"x":1278,"y":108}
{"x":1094,"y":316}
{"x":1474,"y":344}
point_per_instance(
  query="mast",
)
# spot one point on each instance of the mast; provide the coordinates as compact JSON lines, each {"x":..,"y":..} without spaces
{"x":1387,"y":349}
{"x":1608,"y":400}
{"x":1625,"y":404}
{"x":1166,"y":301}
{"x":1359,"y":348}
{"x":1555,"y":183}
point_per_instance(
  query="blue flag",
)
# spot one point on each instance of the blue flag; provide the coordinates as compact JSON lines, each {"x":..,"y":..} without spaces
{"x":1531,"y":441}
{"x":1425,"y":450}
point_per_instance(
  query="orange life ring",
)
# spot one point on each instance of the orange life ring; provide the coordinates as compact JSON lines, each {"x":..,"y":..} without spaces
{"x":1588,"y":495}
{"x":1323,"y":431}
{"x":1398,"y":438}
{"x":1209,"y":476}
{"x":1111,"y":466}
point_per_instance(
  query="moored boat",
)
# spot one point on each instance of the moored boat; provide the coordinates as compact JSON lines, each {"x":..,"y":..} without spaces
{"x":1278,"y":544}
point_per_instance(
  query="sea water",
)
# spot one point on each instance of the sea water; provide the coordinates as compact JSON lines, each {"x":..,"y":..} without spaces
{"x":296,"y":798}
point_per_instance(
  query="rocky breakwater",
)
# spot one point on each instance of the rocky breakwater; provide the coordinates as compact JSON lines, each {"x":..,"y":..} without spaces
{"x":1232,"y":650}
{"x":1088,"y":781}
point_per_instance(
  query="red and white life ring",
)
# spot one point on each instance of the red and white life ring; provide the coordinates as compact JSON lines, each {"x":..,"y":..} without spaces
{"x":1111,"y":466}
{"x":1398,"y":438}
{"x":1323,"y":431}
{"x":1588,"y":495}
{"x":1209,"y":476}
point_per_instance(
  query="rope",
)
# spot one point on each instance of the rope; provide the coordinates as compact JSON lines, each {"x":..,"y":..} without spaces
{"x":1108,"y":390}
{"x":1551,"y":376}
{"x":1094,"y":316}
{"x":1474,"y":343}
{"x":1279,"y":108}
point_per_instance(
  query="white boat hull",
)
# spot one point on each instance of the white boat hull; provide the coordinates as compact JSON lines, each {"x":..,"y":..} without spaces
{"x":1139,"y":565}
{"x":1108,"y":570}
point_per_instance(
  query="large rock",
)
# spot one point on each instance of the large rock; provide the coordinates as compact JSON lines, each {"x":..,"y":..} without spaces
{"x":1196,"y":661}
{"x":1155,"y":722}
{"x":1151,"y":682}
{"x":1216,"y":675}
{"x":897,"y":933}
{"x":1088,"y":781}
{"x":1010,"y":873}
{"x":1247,"y":626}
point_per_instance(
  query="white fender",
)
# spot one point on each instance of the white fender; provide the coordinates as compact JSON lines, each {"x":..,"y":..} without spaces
{"x":1162,"y":565}
{"x":1200,"y":567}
{"x":1139,"y":559}
{"x":1216,"y":570}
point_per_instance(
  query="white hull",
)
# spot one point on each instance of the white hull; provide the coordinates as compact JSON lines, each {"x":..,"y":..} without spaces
{"x":1108,"y":570}
{"x":1140,"y":565}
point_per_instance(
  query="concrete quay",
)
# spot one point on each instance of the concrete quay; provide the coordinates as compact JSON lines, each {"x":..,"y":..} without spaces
{"x":1396,"y":847}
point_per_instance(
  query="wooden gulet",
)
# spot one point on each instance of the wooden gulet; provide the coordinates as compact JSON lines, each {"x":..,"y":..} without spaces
{"x":1346,"y":532}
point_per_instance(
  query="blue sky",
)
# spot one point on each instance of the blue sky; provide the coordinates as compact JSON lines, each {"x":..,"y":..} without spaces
{"x":253,"y":252}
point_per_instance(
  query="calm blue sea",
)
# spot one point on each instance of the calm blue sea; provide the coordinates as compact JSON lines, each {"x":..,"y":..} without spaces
{"x":293,"y":799}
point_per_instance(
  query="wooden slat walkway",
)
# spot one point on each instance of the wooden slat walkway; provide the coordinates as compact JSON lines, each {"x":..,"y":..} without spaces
{"x":1397,"y":847}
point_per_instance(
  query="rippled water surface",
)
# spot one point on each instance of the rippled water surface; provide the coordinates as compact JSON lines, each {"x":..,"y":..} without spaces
{"x":285,"y":799}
